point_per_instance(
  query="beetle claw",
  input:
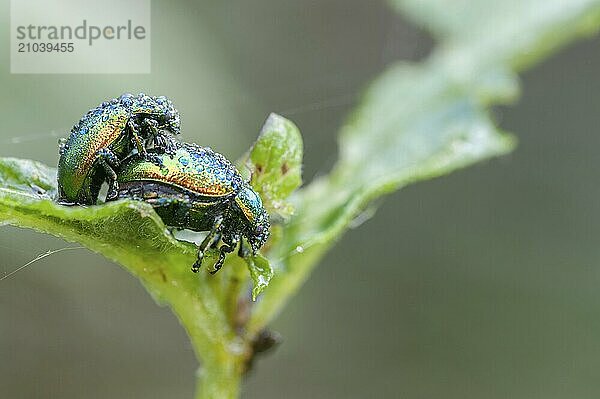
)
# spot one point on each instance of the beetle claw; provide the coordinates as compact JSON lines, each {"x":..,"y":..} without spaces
{"x":112,"y":195}
{"x":198,"y":263}
{"x":196,"y":267}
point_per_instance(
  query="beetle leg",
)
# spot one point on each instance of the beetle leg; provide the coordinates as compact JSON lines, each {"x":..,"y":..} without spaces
{"x":215,"y":240}
{"x":109,"y":161}
{"x":207,"y":242}
{"x":159,"y":141}
{"x":223,"y":251}
{"x":163,"y":141}
{"x":244,"y":251}
{"x":228,"y":247}
{"x":150,"y":128}
{"x":148,"y":132}
{"x":135,"y":133}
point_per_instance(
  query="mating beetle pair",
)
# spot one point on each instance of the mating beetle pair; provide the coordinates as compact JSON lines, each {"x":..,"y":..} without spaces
{"x":189,"y":186}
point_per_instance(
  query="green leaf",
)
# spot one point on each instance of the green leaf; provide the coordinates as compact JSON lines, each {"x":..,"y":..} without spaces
{"x":261,"y":273}
{"x":484,"y":33}
{"x":275,"y":164}
{"x":424,"y":120}
{"x":274,"y":168}
{"x":27,"y":176}
{"x":414,"y":124}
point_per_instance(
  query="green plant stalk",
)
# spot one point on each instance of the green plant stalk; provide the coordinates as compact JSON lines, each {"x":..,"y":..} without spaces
{"x":220,"y":351}
{"x":220,"y":379}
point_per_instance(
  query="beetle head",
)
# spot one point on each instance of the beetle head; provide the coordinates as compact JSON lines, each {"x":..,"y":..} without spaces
{"x":158,"y":111}
{"x":256,"y":217}
{"x":168,"y":116}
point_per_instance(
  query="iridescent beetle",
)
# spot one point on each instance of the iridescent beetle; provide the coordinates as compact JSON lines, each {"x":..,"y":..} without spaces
{"x":198,"y":189}
{"x":105,"y":136}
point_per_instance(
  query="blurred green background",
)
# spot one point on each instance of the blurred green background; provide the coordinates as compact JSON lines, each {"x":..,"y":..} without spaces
{"x":478,"y":285}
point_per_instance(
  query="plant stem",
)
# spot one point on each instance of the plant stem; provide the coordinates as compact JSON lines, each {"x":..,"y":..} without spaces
{"x":220,"y":351}
{"x":220,"y":378}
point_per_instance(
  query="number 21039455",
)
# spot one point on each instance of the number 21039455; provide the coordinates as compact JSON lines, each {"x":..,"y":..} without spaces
{"x":45,"y":47}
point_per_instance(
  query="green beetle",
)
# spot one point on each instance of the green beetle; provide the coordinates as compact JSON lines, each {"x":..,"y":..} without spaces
{"x":106,"y":135}
{"x":198,"y":189}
